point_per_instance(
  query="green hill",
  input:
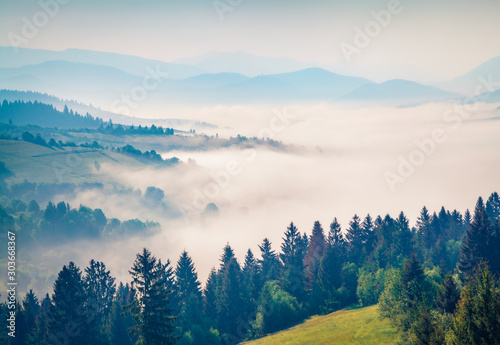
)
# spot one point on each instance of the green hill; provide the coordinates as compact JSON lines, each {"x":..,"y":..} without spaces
{"x":37,"y":163}
{"x":359,"y":326}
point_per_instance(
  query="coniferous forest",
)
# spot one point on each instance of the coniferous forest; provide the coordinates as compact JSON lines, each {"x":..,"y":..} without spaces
{"x":436,"y":282}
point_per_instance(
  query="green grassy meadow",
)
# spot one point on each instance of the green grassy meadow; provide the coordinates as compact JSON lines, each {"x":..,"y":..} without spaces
{"x":347,"y":327}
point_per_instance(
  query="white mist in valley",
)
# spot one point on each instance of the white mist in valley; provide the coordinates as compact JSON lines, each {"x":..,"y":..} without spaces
{"x":338,"y":161}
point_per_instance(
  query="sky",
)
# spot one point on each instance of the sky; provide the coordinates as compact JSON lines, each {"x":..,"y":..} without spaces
{"x":421,"y":40}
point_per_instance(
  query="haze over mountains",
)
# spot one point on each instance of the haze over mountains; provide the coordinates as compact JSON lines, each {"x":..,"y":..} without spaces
{"x":229,"y":78}
{"x":81,"y":108}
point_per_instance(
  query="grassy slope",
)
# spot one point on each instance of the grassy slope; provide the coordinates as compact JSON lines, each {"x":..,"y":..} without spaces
{"x":359,"y":326}
{"x":36,"y":163}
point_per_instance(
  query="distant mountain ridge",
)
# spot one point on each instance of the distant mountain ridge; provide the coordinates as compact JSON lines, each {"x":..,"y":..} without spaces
{"x":127,"y":63}
{"x":103,"y":78}
{"x":244,"y":63}
{"x":399,"y":89}
{"x":486,"y":77}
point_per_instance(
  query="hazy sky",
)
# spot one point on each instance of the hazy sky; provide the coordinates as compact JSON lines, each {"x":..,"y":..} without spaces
{"x":426,"y":40}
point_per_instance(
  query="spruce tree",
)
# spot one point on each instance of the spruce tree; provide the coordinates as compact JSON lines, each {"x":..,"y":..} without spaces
{"x":315,"y":251}
{"x":457,"y":229}
{"x":477,"y":318}
{"x":251,"y":281}
{"x":152,"y":310}
{"x":210,"y":298}
{"x":31,"y":309}
{"x":467,"y":218}
{"x":413,"y":281}
{"x":269,"y":264}
{"x":335,"y":236}
{"x":120,"y":319}
{"x":426,"y":330}
{"x":230,"y":302}
{"x":448,"y":295}
{"x":69,"y":317}
{"x":227,"y":255}
{"x":188,"y":293}
{"x":404,"y":236}
{"x":330,"y":276}
{"x":493,"y":207}
{"x":355,"y":237}
{"x":40,"y":336}
{"x":476,"y":247}
{"x":100,"y":289}
{"x":292,"y":257}
{"x":369,"y":236}
{"x":424,"y":229}
{"x":444,"y":223}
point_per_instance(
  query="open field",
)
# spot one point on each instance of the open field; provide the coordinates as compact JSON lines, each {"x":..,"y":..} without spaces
{"x":346,"y":327}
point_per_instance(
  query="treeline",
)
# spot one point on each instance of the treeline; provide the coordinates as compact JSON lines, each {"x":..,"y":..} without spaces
{"x":20,"y":113}
{"x":441,"y":308}
{"x":59,"y":223}
{"x":133,"y":130}
{"x":127,"y":149}
{"x":41,"y":114}
{"x":151,"y":155}
{"x":431,"y":280}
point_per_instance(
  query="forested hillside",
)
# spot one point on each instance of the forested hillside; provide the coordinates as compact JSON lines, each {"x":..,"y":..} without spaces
{"x":41,"y":114}
{"x":436,"y":282}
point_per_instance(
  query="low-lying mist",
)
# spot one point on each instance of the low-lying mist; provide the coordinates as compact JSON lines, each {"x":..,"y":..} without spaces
{"x":344,"y":161}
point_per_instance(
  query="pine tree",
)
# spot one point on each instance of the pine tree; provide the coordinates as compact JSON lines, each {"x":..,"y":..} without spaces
{"x":426,"y":330}
{"x":269,"y":264}
{"x":386,"y":230}
{"x":477,"y":318}
{"x":476,"y":246}
{"x":404,"y":294}
{"x":316,"y":249}
{"x":424,"y":229}
{"x":413,"y":281}
{"x":405,"y":236}
{"x":457,"y":229}
{"x":335,"y":236}
{"x":120,"y":319}
{"x":188,"y":293}
{"x":444,"y":223}
{"x":355,"y":237}
{"x":493,"y":207}
{"x":251,"y":281}
{"x":227,"y":255}
{"x":230,"y":303}
{"x":40,"y":335}
{"x":210,"y":298}
{"x":31,"y":310}
{"x":100,"y":289}
{"x":22,"y":330}
{"x":448,"y":295}
{"x":152,"y":311}
{"x":467,"y":218}
{"x":69,"y":316}
{"x":369,"y":236}
{"x":292,"y":255}
{"x":330,"y":276}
